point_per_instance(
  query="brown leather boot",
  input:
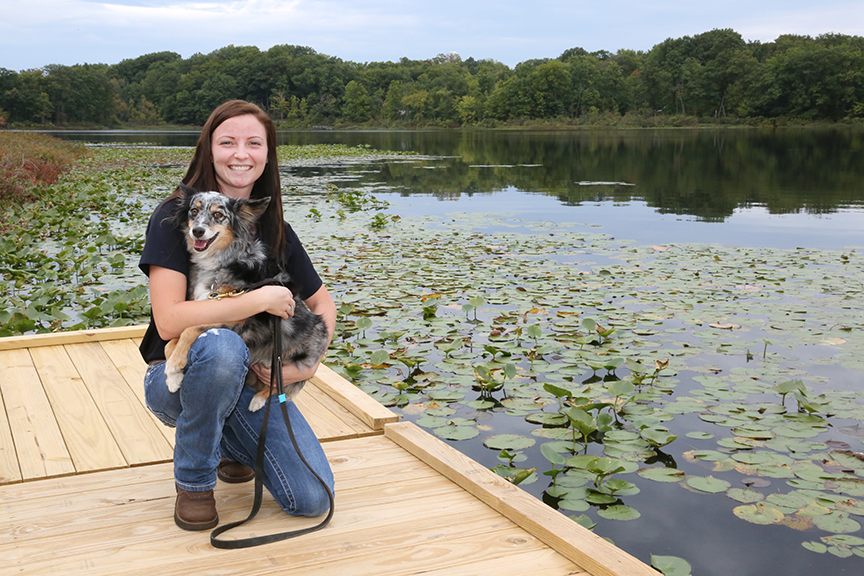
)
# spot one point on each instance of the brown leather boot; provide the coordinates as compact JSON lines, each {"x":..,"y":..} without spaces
{"x":195,"y":510}
{"x":234,"y":472}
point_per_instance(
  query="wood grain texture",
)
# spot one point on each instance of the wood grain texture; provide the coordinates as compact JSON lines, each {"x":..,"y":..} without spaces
{"x":352,"y":398}
{"x":58,"y":338}
{"x":394,"y":516}
{"x":130,"y":422}
{"x":88,"y":439}
{"x":38,"y":441}
{"x":127,"y":359}
{"x":9,"y":469}
{"x":591,"y":552}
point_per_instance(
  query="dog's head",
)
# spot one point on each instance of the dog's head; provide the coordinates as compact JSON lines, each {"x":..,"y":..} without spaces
{"x":212,"y":221}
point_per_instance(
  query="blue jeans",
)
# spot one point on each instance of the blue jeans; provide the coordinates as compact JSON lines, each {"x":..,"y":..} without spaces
{"x":212,"y":418}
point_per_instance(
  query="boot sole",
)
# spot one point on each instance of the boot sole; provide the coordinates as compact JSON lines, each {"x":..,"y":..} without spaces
{"x":195,"y":525}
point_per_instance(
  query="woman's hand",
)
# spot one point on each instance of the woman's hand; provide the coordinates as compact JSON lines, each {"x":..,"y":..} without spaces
{"x":291,"y":373}
{"x":276,"y":300}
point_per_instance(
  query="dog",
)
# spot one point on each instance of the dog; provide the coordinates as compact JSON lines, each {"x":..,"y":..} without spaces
{"x":226,"y":259}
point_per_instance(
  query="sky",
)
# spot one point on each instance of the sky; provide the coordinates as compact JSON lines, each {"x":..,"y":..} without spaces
{"x":35,"y":33}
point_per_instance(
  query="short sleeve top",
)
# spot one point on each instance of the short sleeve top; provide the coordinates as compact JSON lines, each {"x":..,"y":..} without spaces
{"x":165,"y":246}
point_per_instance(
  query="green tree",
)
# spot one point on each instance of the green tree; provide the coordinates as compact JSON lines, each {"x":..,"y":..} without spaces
{"x":392,"y":108}
{"x":80,"y":94}
{"x":357,"y":104}
{"x":470,"y":109}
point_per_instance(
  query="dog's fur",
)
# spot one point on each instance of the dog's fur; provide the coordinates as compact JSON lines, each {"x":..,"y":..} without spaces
{"x":225,"y":257}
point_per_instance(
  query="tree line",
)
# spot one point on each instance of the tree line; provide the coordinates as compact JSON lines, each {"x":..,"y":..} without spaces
{"x":715,"y":76}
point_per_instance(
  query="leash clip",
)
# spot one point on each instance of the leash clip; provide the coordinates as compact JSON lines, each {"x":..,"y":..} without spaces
{"x":219,"y":296}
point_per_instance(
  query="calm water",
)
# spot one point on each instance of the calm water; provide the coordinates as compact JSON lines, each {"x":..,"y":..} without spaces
{"x":779,"y":188}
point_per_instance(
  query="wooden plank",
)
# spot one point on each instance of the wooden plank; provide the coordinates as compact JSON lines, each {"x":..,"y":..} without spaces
{"x":127,"y":359}
{"x":38,"y":442}
{"x":339,"y":412}
{"x":368,"y":535}
{"x":9,"y":469}
{"x":58,"y":338}
{"x":328,"y":427}
{"x":88,"y":439}
{"x":580,"y":545}
{"x":130,"y":421}
{"x":355,"y":400}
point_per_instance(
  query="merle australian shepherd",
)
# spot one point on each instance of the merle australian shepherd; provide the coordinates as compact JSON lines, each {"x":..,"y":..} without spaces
{"x":225,"y":258}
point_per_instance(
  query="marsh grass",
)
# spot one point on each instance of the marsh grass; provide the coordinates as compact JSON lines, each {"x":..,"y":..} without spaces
{"x":28,"y":160}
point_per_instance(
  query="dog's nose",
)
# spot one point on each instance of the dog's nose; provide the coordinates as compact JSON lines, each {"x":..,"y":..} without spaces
{"x":198,"y":232}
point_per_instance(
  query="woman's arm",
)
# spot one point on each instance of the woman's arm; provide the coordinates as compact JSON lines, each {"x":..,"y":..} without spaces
{"x":172,"y":313}
{"x":320,"y":303}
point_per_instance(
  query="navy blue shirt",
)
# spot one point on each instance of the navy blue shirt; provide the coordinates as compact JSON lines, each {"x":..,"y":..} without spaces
{"x":165,"y":246}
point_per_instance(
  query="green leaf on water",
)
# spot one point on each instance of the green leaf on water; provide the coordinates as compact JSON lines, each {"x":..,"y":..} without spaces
{"x":745,"y":495}
{"x":837,"y":522}
{"x":707,"y":484}
{"x":671,"y":565}
{"x":817,"y":547}
{"x":658,"y":437}
{"x":621,"y":388}
{"x":851,"y":506}
{"x":758,"y":514}
{"x":552,"y":455}
{"x":661,"y":474}
{"x":452,"y":432}
{"x":619,"y":512}
{"x":508,"y":442}
{"x":573,"y":505}
{"x":584,"y":521}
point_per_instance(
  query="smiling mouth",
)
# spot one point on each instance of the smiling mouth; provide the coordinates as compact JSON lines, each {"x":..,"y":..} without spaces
{"x":202,"y":245}
{"x":240,"y":168}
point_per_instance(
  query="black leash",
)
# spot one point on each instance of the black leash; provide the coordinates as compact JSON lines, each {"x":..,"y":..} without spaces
{"x":275,"y":378}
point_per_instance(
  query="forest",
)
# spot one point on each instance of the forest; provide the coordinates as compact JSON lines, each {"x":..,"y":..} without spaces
{"x":713,"y":77}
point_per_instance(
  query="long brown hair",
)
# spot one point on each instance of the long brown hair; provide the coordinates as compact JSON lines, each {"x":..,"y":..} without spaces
{"x":202,"y":176}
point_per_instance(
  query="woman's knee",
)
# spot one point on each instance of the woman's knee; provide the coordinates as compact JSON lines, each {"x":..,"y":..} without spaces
{"x":314,"y":501}
{"x":224,"y":354}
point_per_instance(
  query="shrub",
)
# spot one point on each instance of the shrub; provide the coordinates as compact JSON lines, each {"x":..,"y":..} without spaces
{"x":29,"y":159}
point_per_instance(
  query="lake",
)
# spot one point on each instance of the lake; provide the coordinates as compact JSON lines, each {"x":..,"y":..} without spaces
{"x":780,"y":187}
{"x":732,"y":252}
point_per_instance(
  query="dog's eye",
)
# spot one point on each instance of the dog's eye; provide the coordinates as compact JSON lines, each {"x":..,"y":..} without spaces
{"x":193,"y":211}
{"x":217,"y":215}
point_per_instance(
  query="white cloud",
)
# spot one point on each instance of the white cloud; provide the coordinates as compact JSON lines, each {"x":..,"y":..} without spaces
{"x":34,"y":33}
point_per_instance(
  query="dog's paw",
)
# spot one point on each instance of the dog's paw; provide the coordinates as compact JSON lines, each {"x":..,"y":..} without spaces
{"x":173,"y":379}
{"x":258,"y":402}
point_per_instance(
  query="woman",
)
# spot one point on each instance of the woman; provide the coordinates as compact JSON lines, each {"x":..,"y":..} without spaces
{"x":236,"y":155}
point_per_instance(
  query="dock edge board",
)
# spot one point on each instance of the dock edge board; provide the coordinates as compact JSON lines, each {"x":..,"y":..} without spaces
{"x":578,"y":544}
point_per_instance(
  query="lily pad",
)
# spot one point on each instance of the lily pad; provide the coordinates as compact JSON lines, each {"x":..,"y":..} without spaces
{"x":573,"y":505}
{"x":745,"y":495}
{"x":817,"y":547}
{"x":758,"y":514}
{"x":708,"y":484}
{"x":671,"y":565}
{"x":661,"y":474}
{"x":508,"y":442}
{"x":619,"y":512}
{"x":836,"y":522}
{"x":452,"y":432}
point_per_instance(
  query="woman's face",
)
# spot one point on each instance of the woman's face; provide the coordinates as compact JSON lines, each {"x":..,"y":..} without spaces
{"x":239,"y":148}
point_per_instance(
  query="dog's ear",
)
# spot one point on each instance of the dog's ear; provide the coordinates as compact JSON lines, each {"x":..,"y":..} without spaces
{"x":251,"y":210}
{"x":186,"y":191}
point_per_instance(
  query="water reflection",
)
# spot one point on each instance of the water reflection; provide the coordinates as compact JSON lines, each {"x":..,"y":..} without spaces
{"x":707,"y":174}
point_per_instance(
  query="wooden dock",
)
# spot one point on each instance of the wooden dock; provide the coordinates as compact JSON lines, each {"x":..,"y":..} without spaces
{"x":86,"y":485}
